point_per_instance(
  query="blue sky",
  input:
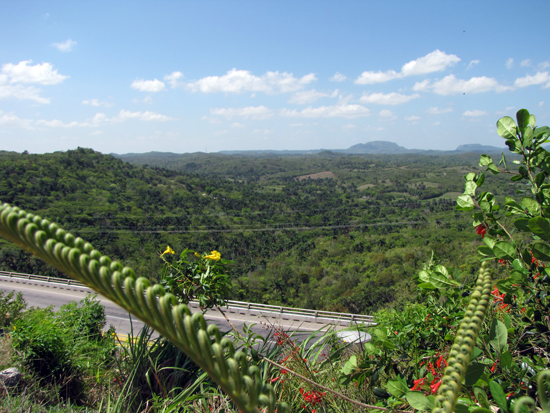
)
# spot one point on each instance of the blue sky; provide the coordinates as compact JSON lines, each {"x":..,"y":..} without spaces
{"x":188,"y":76}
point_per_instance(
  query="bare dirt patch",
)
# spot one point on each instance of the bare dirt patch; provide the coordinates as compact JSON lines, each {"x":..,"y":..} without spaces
{"x":318,"y":175}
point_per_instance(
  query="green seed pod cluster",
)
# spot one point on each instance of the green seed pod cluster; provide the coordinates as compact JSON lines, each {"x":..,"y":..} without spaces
{"x":465,"y":341}
{"x":150,"y":303}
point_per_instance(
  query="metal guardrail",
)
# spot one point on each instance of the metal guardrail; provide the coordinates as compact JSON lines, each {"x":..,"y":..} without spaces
{"x":233,"y":306}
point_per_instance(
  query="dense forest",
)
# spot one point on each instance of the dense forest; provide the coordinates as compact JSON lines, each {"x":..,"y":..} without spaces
{"x":325,"y":231}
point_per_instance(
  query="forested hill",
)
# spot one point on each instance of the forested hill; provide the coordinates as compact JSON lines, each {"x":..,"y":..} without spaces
{"x":350,"y":242}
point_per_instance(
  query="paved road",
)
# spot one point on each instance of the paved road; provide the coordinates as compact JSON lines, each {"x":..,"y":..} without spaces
{"x":43,"y":294}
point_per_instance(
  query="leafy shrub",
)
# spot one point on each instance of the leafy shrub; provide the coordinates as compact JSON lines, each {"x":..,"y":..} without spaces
{"x":10,"y":308}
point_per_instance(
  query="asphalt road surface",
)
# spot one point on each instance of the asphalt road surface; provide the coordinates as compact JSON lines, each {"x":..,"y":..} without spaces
{"x":43,"y":294}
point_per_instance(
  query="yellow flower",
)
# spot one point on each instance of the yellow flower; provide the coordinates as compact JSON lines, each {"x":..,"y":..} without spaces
{"x":168,"y":251}
{"x":214,"y":255}
{"x":197,"y":254}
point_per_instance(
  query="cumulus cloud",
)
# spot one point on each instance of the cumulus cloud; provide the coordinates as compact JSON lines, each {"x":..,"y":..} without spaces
{"x":525,"y":63}
{"x":102,"y":118}
{"x":11,"y":119}
{"x":307,"y":96}
{"x":254,"y":112}
{"x":342,"y":111}
{"x":438,"y":111}
{"x":263,"y":131}
{"x":539,"y":78}
{"x":65,"y":46}
{"x":12,"y":76}
{"x":42,"y":73}
{"x":392,"y":98}
{"x":435,"y":61}
{"x":544,"y":65}
{"x":154,"y":85}
{"x":385,"y":113}
{"x":174,"y":79}
{"x":237,"y":81}
{"x":96,"y":103}
{"x":472,"y":64}
{"x":412,"y":118}
{"x":237,"y":125}
{"x":450,"y":85}
{"x":338,"y":77}
{"x":510,"y":63}
{"x":474,"y":113}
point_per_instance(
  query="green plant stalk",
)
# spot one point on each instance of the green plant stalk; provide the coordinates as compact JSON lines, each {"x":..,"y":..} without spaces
{"x":150,"y":303}
{"x":465,"y":341}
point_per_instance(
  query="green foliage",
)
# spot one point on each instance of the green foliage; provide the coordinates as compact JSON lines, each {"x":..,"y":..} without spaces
{"x":150,"y":303}
{"x":194,"y":276}
{"x":11,"y":308}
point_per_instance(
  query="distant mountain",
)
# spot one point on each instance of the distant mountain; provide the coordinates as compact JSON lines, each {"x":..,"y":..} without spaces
{"x":372,"y":148}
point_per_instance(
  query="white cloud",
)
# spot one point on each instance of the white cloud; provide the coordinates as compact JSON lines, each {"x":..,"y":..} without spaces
{"x":41,"y":73}
{"x":387,"y":99}
{"x":338,"y":77}
{"x":211,"y":120}
{"x":237,"y":81}
{"x":96,"y":103}
{"x":544,"y":65}
{"x":541,"y":103}
{"x":65,"y":46}
{"x":341,"y":111}
{"x":472,"y":64}
{"x":385,"y":113}
{"x":96,"y":132}
{"x":147,"y":85}
{"x":263,"y":131}
{"x":349,"y":126}
{"x":297,"y":124}
{"x":101,"y":118}
{"x":237,"y":125}
{"x":510,"y":63}
{"x":412,"y":118}
{"x":174,"y":79}
{"x":307,"y":96}
{"x":474,"y":113}
{"x":435,"y":61}
{"x":220,"y":132}
{"x":254,"y":112}
{"x":539,"y":78}
{"x":437,"y":111}
{"x":21,"y":92}
{"x":147,"y":116}
{"x":11,"y":119}
{"x":450,"y":85}
{"x":60,"y":124}
{"x":525,"y":63}
{"x":368,"y":78}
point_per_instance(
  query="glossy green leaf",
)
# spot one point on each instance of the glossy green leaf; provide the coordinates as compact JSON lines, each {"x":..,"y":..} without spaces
{"x":420,"y":402}
{"x":506,"y":360}
{"x":540,"y":227}
{"x":461,"y":408}
{"x":396,"y":388}
{"x":465,"y":202}
{"x":506,"y":127}
{"x":485,"y":160}
{"x":424,"y":276}
{"x":470,"y":176}
{"x":522,"y":224}
{"x":473,"y":374}
{"x":532,"y":120}
{"x":427,"y":286}
{"x":442,"y":269}
{"x":486,"y":251}
{"x":441,"y":281}
{"x":532,"y":206}
{"x":527,"y":138}
{"x":481,"y":397}
{"x":541,"y":251}
{"x":504,"y":250}
{"x":498,"y":395}
{"x":470,"y":188}
{"x":523,"y":119}
{"x":476,"y":353}
{"x":493,"y":169}
{"x":480,"y":179}
{"x":539,"y":178}
{"x":498,"y":335}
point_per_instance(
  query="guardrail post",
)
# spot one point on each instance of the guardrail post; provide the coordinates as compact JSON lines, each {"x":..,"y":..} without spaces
{"x":316,"y":313}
